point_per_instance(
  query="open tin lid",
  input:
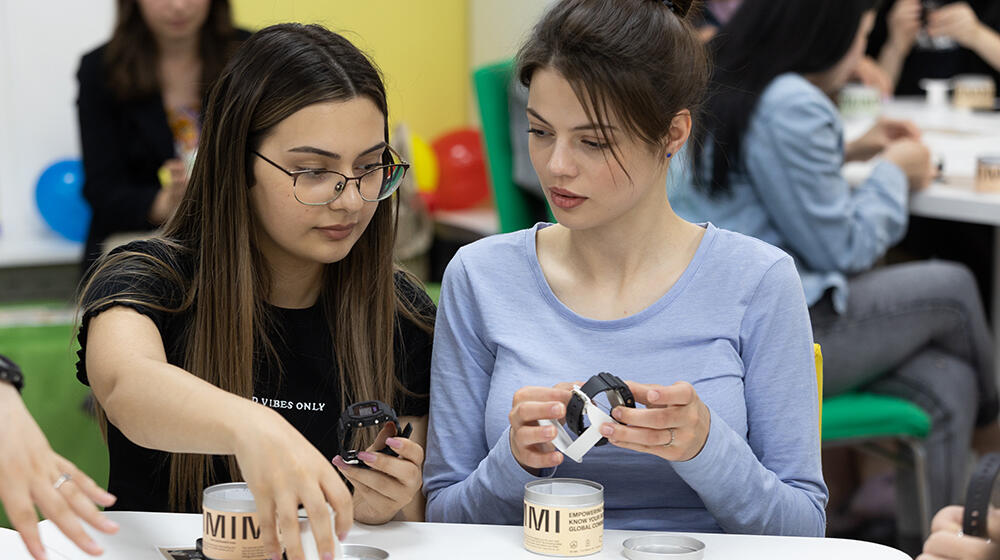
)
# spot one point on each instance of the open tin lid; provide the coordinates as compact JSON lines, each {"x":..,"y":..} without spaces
{"x":663,"y":547}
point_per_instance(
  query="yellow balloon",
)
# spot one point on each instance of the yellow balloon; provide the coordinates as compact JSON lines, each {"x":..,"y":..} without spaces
{"x":425,"y":165}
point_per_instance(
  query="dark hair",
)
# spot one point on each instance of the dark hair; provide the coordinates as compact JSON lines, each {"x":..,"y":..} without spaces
{"x":131,"y":54}
{"x":764,"y":39}
{"x":639,"y":60}
{"x":275,"y":73}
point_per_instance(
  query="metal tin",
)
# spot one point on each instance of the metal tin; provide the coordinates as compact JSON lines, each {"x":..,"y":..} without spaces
{"x":663,"y":547}
{"x":563,"y":517}
{"x":988,"y":173}
{"x":363,"y":552}
{"x":230,"y":529}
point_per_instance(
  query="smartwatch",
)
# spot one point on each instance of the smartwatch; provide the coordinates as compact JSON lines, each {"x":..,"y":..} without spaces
{"x":979,"y":494}
{"x":364,"y":414}
{"x":10,"y":373}
{"x":604,"y":382}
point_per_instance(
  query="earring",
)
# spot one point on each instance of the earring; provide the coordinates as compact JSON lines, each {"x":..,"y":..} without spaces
{"x":669,"y":154}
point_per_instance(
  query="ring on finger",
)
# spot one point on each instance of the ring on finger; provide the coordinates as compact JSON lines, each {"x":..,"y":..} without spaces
{"x":672,"y":435}
{"x":63,"y":479}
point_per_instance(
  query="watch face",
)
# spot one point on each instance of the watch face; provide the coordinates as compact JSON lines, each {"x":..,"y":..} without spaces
{"x":365,"y":409}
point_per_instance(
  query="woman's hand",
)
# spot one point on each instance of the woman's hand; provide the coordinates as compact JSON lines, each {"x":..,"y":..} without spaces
{"x":173,"y":182}
{"x":957,"y":21}
{"x":530,"y":443}
{"x":914,"y":158}
{"x":878,"y":138}
{"x":391,"y":483}
{"x":947,"y":542}
{"x":29,"y":473}
{"x":673,"y":426}
{"x":869,"y":73}
{"x":283,"y":470}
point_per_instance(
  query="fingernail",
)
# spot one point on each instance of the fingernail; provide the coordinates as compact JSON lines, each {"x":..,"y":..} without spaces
{"x":327,"y":556}
{"x":394,"y":443}
{"x":557,"y":409}
{"x":338,"y":460}
{"x":617,"y":414}
{"x":654,"y":396}
{"x":342,"y":536}
{"x":276,"y":556}
{"x":109,"y":498}
{"x":607,"y":431}
{"x":549,"y":432}
{"x":110,"y":525}
{"x":93,"y":548}
{"x":367,"y":456}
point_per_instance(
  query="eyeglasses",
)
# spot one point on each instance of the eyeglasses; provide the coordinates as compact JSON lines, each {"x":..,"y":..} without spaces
{"x":318,"y":187}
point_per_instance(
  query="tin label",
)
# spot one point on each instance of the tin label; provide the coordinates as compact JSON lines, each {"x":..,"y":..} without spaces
{"x":560,"y":531}
{"x":988,"y":175}
{"x":231,"y":536}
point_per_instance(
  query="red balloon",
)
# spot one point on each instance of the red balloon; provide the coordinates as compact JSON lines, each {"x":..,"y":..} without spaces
{"x":463,"y":181}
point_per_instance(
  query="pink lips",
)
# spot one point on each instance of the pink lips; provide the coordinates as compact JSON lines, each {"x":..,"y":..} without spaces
{"x":337,"y":232}
{"x":565,"y":199}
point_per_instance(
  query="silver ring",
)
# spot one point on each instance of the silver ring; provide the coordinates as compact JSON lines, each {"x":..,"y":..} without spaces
{"x":63,"y":479}
{"x":671,"y":442}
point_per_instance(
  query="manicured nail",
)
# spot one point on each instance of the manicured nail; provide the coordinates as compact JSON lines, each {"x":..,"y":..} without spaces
{"x":93,"y":548}
{"x":557,"y":409}
{"x":654,"y":396}
{"x":109,"y":525}
{"x":327,"y":556}
{"x":616,"y":413}
{"x":607,"y":431}
{"x":394,"y":443}
{"x":367,"y":456}
{"x":342,"y":536}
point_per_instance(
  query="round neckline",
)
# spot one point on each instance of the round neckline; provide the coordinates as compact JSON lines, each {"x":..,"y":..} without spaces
{"x":545,"y":290}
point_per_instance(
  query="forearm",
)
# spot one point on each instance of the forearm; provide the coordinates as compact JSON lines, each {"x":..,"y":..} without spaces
{"x":891,"y":60}
{"x":987,"y":46}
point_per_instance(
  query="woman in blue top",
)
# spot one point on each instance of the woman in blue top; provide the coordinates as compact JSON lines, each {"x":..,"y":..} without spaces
{"x":709,"y":327}
{"x":770,"y":168}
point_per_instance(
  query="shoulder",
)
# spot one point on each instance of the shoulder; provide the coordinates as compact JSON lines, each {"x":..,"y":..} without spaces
{"x":413,"y":295}
{"x":494,"y":253}
{"x":748,"y":260}
{"x":790,"y":96}
{"x":156,"y":271}
{"x":92,"y":66}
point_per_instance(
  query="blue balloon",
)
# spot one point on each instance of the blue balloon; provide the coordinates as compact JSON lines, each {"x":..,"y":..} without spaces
{"x":59,"y":195}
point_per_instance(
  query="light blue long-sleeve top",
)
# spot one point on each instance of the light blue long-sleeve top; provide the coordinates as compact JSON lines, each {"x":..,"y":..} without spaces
{"x":790,"y":191}
{"x":734,"y":325}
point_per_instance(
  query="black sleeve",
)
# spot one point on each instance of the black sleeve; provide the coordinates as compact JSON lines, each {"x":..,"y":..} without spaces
{"x":413,"y":349}
{"x":129,"y":281}
{"x":106,"y":186}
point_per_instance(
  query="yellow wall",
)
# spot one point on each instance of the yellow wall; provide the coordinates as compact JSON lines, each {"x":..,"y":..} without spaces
{"x":421,"y":48}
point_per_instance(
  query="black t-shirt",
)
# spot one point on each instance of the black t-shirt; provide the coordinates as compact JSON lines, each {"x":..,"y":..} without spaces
{"x":307,"y":394}
{"x":941,"y":64}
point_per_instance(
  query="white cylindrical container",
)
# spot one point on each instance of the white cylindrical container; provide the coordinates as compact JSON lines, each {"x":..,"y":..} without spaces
{"x":563,"y":517}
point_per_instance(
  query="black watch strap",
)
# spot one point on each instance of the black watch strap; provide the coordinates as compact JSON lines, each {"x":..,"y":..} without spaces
{"x":977,"y":497}
{"x":604,"y":382}
{"x":10,"y":373}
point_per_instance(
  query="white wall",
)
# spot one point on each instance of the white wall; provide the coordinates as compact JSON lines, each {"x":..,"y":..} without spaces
{"x":40,"y":47}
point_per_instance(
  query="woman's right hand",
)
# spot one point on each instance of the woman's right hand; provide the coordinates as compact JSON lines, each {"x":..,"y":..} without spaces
{"x":173,"y":179}
{"x":530,"y":443}
{"x":914,"y":158}
{"x":283,"y":470}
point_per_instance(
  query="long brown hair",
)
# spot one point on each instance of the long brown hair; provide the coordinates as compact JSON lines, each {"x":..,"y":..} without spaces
{"x":131,"y":55}
{"x":278,"y":71}
{"x":639,"y":60}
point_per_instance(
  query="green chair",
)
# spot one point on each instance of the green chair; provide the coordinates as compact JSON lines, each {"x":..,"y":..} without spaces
{"x":868,"y":420}
{"x":517,"y":209}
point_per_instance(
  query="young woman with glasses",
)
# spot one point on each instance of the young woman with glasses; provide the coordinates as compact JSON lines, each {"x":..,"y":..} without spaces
{"x":709,"y":328}
{"x":227,"y":348}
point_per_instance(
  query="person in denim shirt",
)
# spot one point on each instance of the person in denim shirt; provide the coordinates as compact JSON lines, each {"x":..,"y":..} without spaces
{"x":769,"y":166}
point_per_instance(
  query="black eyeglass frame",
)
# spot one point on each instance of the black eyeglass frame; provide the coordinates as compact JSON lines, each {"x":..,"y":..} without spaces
{"x":347,"y":180}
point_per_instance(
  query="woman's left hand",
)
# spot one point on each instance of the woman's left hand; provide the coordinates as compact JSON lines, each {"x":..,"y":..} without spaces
{"x":957,"y":21}
{"x":391,"y":483}
{"x":674,"y":425}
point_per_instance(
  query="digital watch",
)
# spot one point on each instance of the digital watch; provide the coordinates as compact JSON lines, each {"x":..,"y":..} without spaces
{"x":618,"y":395}
{"x":361,"y":415}
{"x":979,"y":495}
{"x":10,"y":373}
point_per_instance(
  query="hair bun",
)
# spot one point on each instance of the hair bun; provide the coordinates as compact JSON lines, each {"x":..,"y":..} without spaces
{"x":678,"y":7}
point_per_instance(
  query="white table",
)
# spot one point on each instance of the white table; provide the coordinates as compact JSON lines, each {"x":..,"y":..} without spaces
{"x":141,"y":532}
{"x":958,"y":138}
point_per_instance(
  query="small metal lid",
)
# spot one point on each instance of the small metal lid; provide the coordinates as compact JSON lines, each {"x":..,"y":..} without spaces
{"x":663,"y":547}
{"x":564,"y":492}
{"x":233,"y":497}
{"x":362,"y":552}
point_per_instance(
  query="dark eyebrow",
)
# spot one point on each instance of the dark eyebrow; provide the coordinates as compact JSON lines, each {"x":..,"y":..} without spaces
{"x":591,"y":126}
{"x":332,"y":155}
